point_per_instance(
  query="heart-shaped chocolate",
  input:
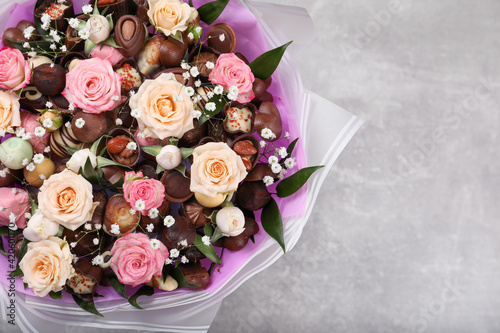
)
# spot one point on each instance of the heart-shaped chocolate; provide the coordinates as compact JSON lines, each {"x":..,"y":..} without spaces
{"x":269,"y":117}
{"x":17,"y":34}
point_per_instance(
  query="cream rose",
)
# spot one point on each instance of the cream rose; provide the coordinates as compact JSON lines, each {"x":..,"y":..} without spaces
{"x":163,"y":108}
{"x":169,"y":16}
{"x":9,"y":111}
{"x":40,"y":228}
{"x":79,"y":158}
{"x":47,"y":265}
{"x":66,"y":198}
{"x":216,"y":169}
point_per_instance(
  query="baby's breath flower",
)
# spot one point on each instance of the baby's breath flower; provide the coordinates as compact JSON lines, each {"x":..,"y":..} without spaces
{"x":168,"y":221}
{"x":80,"y":123}
{"x":268,"y":180}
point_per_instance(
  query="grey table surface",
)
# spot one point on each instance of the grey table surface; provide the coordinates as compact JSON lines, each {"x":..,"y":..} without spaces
{"x":405,"y":233}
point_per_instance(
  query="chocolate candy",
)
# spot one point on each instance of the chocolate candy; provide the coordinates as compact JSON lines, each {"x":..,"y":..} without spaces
{"x":132,"y":78}
{"x":177,"y":72}
{"x":179,"y":235}
{"x":157,"y":222}
{"x":84,"y":241}
{"x":239,"y":117}
{"x":58,"y":13}
{"x":32,"y":100}
{"x":17,"y":34}
{"x":85,"y":281}
{"x":196,"y":274}
{"x":122,"y":112}
{"x":235,"y":243}
{"x":130,"y":34}
{"x":117,"y":8}
{"x":73,"y":41}
{"x":49,"y":79}
{"x":94,"y":127}
{"x":259,"y":171}
{"x":268,"y":117}
{"x":119,"y":211}
{"x":63,"y":137}
{"x":201,"y":62}
{"x":222,"y":38}
{"x":118,"y":150}
{"x":113,"y":173}
{"x":253,"y":195}
{"x":193,"y":254}
{"x":148,"y":58}
{"x":61,"y":104}
{"x":195,"y":213}
{"x":248,"y":148}
{"x":171,"y":52}
{"x":176,"y":186}
{"x":193,"y":136}
{"x":70,"y":60}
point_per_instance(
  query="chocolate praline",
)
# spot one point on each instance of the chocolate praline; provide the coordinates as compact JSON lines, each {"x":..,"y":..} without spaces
{"x":253,"y":195}
{"x":195,"y":212}
{"x":176,"y":186}
{"x":130,"y":34}
{"x":201,"y":62}
{"x":196,"y":274}
{"x":49,"y":79}
{"x":93,"y":128}
{"x":269,"y":117}
{"x":59,"y":23}
{"x":180,"y":235}
{"x":32,"y":100}
{"x":224,"y":44}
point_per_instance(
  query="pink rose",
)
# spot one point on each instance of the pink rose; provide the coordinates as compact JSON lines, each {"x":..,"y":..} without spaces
{"x":14,"y":70}
{"x":93,"y":86}
{"x":231,"y":71}
{"x":142,"y":193}
{"x":106,"y":52}
{"x":16,"y":203}
{"x":29,"y":123}
{"x":136,"y":258}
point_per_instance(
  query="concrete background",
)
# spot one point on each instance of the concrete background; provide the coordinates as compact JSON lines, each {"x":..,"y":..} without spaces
{"x":404,"y":236}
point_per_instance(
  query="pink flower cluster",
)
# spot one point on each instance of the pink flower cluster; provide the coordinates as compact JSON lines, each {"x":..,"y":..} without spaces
{"x":137,"y":187}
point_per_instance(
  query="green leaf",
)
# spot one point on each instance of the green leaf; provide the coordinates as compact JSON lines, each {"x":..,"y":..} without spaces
{"x":40,"y":45}
{"x":291,"y":147}
{"x":159,"y":169}
{"x":208,"y":229}
{"x":220,"y":102}
{"x":111,"y":42}
{"x":70,"y":150}
{"x":152,"y":150}
{"x":272,"y":223}
{"x":177,"y":274}
{"x":87,"y":306}
{"x":89,"y":46}
{"x":22,"y":252}
{"x":211,"y":11}
{"x":191,"y":3}
{"x":89,"y":172}
{"x":182,"y":169}
{"x":172,"y":141}
{"x":186,"y":152}
{"x":98,"y":295}
{"x":217,"y":235}
{"x":34,"y":207}
{"x":119,"y":287}
{"x":95,"y":145}
{"x":208,"y":251}
{"x":265,"y":64}
{"x":4,"y":231}
{"x":143,"y":291}
{"x":292,"y":184}
{"x":212,"y":216}
{"x":55,"y":295}
{"x":104,"y":162}
{"x":109,"y":18}
{"x":16,"y":272}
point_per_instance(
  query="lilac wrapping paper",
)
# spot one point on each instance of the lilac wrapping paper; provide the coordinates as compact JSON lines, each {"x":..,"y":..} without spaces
{"x":250,"y":42}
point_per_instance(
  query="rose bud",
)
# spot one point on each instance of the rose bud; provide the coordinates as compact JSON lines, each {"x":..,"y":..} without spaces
{"x":169,"y":157}
{"x":231,"y":221}
{"x":79,"y":158}
{"x":40,"y":228}
{"x":56,"y":120}
{"x":99,"y":28}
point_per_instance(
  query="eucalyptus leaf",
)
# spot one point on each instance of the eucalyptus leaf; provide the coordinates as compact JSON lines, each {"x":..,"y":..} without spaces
{"x":208,"y":251}
{"x":87,"y":306}
{"x":211,"y":11}
{"x":151,"y":150}
{"x":186,"y":152}
{"x":265,"y":64}
{"x":143,"y":291}
{"x":291,"y":147}
{"x":178,"y":276}
{"x":272,"y":223}
{"x":292,"y":184}
{"x":119,"y":287}
{"x":55,"y":295}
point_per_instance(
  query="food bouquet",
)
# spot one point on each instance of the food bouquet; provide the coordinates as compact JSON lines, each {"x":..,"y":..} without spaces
{"x":144,"y":144}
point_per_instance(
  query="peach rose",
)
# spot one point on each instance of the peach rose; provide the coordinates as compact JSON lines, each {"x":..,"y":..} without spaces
{"x":66,"y":198}
{"x":216,"y":169}
{"x":9,"y":111}
{"x":47,"y":265}
{"x":163,"y":108}
{"x":169,"y":16}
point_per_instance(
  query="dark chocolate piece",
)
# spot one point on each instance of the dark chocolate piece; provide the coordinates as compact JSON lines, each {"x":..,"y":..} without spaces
{"x":130,"y":34}
{"x":224,"y":44}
